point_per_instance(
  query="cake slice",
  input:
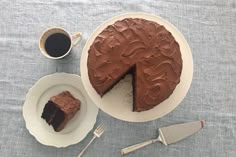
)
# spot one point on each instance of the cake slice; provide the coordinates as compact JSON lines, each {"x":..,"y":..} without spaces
{"x":60,"y":109}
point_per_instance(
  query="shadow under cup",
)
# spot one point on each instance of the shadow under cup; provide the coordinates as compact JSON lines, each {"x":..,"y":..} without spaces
{"x":55,"y":43}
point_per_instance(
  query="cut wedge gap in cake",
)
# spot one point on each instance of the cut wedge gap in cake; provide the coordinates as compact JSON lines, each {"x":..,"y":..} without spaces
{"x":129,"y":71}
{"x":132,"y":72}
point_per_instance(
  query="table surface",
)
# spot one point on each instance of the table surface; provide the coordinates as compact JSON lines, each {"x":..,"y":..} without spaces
{"x":208,"y":26}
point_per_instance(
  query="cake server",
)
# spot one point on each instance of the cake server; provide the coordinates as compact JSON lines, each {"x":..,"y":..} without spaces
{"x":169,"y":134}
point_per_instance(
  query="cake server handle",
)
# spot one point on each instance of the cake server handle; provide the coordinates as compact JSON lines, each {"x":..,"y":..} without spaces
{"x":82,"y":152}
{"x":138,"y":146}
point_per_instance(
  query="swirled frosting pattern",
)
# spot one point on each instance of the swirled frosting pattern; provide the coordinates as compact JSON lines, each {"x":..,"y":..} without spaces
{"x":143,"y":48}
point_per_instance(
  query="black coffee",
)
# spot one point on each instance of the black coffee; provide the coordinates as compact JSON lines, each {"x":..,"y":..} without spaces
{"x":57,"y":44}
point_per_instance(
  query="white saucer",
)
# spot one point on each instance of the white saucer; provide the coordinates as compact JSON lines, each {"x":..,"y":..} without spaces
{"x":77,"y":128}
{"x":118,"y":101}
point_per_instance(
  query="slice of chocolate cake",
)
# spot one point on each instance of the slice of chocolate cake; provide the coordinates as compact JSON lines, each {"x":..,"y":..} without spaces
{"x":60,"y":109}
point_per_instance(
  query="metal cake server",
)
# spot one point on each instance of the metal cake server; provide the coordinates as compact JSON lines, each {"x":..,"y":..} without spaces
{"x":169,"y":134}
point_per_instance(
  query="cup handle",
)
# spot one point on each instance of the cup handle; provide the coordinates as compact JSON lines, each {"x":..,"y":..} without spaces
{"x":76,"y":38}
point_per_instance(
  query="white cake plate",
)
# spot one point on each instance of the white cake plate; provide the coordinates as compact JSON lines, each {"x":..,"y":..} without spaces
{"x":77,"y":128}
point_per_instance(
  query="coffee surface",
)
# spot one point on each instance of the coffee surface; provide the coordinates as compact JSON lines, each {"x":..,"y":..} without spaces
{"x":57,"y":45}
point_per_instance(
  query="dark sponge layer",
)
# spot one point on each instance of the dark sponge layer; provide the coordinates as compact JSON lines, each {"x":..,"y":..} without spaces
{"x":53,"y":115}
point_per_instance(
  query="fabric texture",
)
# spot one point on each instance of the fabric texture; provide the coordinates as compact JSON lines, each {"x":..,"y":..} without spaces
{"x":210,"y":29}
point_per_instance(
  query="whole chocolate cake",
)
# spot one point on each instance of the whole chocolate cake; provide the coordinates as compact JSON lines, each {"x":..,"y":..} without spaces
{"x":60,"y":109}
{"x":142,"y":48}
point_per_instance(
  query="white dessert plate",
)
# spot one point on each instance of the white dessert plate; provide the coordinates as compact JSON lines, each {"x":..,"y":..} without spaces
{"x":77,"y":128}
{"x":118,"y":101}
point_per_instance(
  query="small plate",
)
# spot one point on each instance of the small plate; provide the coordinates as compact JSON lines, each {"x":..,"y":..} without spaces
{"x":118,"y":101}
{"x":77,"y":128}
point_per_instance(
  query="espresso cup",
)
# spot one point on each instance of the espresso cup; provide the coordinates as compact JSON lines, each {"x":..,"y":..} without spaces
{"x":56,"y":43}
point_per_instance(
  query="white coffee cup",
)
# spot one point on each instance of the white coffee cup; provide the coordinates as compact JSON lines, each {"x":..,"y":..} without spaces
{"x":74,"y":41}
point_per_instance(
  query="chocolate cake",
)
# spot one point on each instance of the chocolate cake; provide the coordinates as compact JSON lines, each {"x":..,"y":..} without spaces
{"x":60,"y":109}
{"x":139,"y":47}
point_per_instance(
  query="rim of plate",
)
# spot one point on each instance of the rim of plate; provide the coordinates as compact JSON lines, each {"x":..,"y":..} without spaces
{"x":178,"y":37}
{"x":30,"y":95}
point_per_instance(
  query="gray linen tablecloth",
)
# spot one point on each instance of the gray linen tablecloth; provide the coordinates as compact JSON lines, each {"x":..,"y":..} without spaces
{"x":210,"y":29}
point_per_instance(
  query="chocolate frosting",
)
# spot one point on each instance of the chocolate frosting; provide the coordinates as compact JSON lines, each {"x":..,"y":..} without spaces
{"x":66,"y":102}
{"x":140,"y":44}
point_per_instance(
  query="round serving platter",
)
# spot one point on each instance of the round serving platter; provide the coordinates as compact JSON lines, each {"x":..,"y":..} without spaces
{"x":118,"y":101}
